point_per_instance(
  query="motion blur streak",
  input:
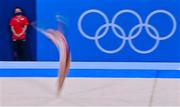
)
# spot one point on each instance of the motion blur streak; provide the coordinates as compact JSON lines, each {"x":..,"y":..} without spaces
{"x":60,"y":41}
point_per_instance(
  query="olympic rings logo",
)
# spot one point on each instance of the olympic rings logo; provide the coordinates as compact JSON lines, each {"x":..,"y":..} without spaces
{"x":150,"y":29}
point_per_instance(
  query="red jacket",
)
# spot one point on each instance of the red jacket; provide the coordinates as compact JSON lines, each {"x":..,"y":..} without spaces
{"x":18,"y":24}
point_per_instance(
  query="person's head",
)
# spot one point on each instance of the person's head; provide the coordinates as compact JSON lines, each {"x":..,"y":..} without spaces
{"x":18,"y":11}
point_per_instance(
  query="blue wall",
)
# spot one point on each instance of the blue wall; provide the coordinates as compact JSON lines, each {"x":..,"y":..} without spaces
{"x":5,"y":47}
{"x":6,"y":12}
{"x":85,"y":50}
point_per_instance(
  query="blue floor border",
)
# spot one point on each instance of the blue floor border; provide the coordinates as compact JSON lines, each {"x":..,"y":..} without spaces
{"x":93,"y":73}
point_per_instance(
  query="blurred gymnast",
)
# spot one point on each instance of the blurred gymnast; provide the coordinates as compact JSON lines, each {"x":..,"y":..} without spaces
{"x":59,"y":40}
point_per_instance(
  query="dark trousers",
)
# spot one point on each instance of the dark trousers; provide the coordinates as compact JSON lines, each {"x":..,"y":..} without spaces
{"x":20,"y":50}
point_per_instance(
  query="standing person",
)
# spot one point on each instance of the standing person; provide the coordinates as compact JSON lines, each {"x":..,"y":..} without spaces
{"x":19,"y":24}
